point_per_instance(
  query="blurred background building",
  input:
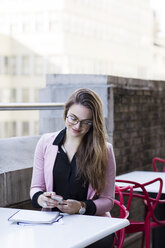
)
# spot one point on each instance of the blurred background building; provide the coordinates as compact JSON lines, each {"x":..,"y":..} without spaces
{"x":112,"y":37}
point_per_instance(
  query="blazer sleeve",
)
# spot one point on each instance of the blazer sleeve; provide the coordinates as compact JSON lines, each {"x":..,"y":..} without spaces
{"x":38,"y":181}
{"x":105,"y":201}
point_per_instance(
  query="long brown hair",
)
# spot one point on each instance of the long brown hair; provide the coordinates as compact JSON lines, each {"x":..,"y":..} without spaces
{"x":91,"y":156}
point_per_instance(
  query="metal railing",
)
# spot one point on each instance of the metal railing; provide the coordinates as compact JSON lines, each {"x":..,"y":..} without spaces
{"x":31,"y":106}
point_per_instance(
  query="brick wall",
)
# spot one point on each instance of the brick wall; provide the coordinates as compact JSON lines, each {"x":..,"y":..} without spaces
{"x":138,"y":122}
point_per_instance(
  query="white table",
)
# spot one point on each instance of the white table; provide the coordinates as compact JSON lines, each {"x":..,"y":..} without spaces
{"x":143,"y":177}
{"x":73,"y":231}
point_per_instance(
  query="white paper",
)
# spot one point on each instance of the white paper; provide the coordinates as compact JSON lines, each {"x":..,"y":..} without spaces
{"x":34,"y":216}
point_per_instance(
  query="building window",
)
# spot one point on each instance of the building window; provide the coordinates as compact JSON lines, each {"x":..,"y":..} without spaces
{"x":36,"y":92}
{"x":6,"y":65}
{"x":36,"y":130}
{"x":13,"y":129}
{"x":38,"y":65}
{"x":13,"y":95}
{"x":25,"y":128}
{"x":6,"y":129}
{"x":12,"y":65}
{"x":39,"y":22}
{"x":25,"y":65}
{"x":25,"y":95}
{"x":5,"y":95}
{"x":1,"y":65}
{"x":9,"y":129}
{"x":55,"y":23}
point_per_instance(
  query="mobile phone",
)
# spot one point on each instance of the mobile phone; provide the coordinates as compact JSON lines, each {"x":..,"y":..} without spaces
{"x":57,"y":198}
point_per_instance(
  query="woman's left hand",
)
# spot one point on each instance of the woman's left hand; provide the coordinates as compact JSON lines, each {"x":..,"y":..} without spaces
{"x":70,"y":206}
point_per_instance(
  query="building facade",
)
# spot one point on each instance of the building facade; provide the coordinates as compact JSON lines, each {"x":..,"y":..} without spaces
{"x":107,"y":37}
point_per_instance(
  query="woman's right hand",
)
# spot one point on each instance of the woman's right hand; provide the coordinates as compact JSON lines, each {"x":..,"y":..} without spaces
{"x":45,"y":200}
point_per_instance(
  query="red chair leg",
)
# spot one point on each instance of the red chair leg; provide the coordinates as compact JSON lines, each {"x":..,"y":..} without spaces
{"x":147,"y":234}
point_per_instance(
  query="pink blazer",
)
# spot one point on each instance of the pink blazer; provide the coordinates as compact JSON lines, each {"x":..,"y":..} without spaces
{"x":42,"y":177}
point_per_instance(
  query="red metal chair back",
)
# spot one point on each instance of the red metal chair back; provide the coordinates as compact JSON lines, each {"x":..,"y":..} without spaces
{"x":124,"y":213}
{"x":137,"y":190}
{"x":158,"y":161}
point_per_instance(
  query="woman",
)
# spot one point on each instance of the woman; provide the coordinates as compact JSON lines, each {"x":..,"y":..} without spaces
{"x":76,"y":164}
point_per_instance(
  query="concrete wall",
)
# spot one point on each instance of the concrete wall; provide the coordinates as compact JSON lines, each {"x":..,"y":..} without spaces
{"x":16,"y":160}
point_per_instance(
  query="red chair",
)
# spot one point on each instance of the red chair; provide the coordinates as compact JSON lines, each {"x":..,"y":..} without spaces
{"x":158,"y":161}
{"x":158,"y":233}
{"x":137,"y":190}
{"x":123,"y":213}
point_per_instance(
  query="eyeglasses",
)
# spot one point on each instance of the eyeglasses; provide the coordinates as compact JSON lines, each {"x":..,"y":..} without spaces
{"x":74,"y":120}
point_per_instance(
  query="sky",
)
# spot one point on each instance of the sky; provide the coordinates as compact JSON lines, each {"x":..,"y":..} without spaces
{"x":159,"y":7}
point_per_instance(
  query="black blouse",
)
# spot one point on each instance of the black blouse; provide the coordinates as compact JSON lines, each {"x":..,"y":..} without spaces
{"x":65,"y":180}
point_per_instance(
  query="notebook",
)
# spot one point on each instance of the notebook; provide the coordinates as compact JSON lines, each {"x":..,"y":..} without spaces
{"x":34,"y":216}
